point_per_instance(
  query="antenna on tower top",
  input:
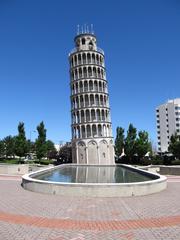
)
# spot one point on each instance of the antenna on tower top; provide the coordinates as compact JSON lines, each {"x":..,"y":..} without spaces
{"x":85,"y":28}
{"x":92,"y":30}
{"x":78,"y":29}
{"x":81,"y":29}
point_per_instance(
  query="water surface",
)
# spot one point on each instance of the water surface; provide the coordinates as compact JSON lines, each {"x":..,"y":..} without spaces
{"x":94,"y":174}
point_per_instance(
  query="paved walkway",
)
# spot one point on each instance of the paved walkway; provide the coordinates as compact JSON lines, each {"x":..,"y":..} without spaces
{"x":26,"y":215}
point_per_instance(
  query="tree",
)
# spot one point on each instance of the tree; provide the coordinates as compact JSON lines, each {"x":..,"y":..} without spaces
{"x":40,"y":144}
{"x":119,"y":141}
{"x":51,"y":150}
{"x":174,"y":146}
{"x":21,"y":145}
{"x":31,"y":146}
{"x":65,"y":154}
{"x":130,"y":142}
{"x":2,"y":149}
{"x":9,"y":146}
{"x":143,"y":145}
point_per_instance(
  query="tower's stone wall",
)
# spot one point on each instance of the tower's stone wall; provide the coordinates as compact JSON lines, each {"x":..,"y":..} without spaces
{"x":92,"y":140}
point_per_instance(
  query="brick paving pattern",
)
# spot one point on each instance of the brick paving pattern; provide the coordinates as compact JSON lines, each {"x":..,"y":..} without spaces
{"x":26,"y":215}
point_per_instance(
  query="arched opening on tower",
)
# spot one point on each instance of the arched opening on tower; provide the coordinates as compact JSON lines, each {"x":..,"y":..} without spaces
{"x":88,"y":58}
{"x":88,"y":131}
{"x":98,"y":115}
{"x":86,"y":101}
{"x":85,"y":72}
{"x":90,"y":86}
{"x":81,"y":101}
{"x":100,"y":86}
{"x":101,"y":100}
{"x":94,"y":72}
{"x":78,"y":119}
{"x":89,"y":72}
{"x":76,"y":88}
{"x":78,"y":132}
{"x":83,"y":131}
{"x":92,"y":100}
{"x":97,"y":100}
{"x":84,"y":58}
{"x":103,"y":116}
{"x":93,"y":115}
{"x":80,"y":72}
{"x":95,"y":86}
{"x":94,"y":130}
{"x":85,"y":86}
{"x":83,"y":41}
{"x":87,"y":116}
{"x":81,"y":86}
{"x":93,"y":58}
{"x":82,"y":116}
{"x":75,"y":60}
{"x":79,"y":58}
{"x":99,"y":131}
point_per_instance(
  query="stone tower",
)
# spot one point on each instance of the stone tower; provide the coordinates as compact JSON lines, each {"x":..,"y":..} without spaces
{"x":92,"y":141}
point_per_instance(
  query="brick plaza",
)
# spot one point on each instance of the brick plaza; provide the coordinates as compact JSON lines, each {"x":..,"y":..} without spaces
{"x":26,"y":215}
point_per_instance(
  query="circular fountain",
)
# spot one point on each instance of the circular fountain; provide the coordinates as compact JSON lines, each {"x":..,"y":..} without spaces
{"x":94,"y":181}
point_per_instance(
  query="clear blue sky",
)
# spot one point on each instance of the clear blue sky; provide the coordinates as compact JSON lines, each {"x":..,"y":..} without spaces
{"x":141,"y":40}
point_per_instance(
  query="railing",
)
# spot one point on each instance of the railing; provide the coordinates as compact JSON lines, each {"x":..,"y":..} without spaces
{"x":74,"y":50}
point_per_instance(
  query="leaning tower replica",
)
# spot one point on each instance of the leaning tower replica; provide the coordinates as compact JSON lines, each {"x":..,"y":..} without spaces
{"x":92,"y":141}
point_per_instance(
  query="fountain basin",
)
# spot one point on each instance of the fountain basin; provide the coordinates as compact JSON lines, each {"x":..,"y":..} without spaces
{"x":94,"y":181}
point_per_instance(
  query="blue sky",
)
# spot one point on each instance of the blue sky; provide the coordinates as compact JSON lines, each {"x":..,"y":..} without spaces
{"x":141,"y":43}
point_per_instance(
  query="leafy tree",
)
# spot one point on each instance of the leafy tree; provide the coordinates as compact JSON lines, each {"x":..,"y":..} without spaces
{"x":119,"y":141}
{"x":9,"y":146}
{"x":65,"y":154}
{"x":143,"y":145}
{"x":2,"y":149}
{"x":130,"y":142}
{"x":51,"y":150}
{"x":41,"y":147}
{"x":21,"y":145}
{"x":31,"y":146}
{"x":52,"y":154}
{"x":174,"y":146}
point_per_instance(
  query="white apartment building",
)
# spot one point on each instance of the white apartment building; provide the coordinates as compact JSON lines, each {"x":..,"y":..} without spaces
{"x":168,"y":122}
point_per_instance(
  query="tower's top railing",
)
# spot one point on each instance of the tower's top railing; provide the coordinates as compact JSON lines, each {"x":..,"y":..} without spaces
{"x":74,"y":50}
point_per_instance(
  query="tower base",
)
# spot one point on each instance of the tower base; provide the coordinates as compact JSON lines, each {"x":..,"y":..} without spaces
{"x":93,"y":151}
